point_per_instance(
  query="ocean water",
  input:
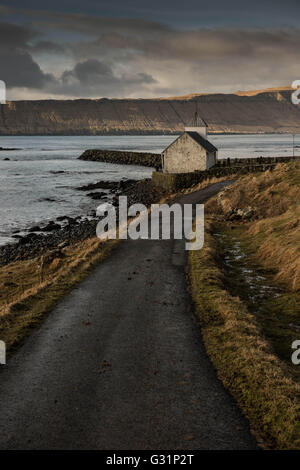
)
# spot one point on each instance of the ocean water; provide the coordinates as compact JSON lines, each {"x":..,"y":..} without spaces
{"x":37,"y":183}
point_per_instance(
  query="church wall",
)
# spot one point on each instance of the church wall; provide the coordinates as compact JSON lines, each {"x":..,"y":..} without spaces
{"x":211,"y":159}
{"x":184,"y":156}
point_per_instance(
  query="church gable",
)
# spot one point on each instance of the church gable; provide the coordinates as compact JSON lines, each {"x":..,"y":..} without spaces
{"x":184,"y":155}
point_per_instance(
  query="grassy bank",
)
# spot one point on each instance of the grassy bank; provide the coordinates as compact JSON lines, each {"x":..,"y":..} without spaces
{"x":249,"y":337}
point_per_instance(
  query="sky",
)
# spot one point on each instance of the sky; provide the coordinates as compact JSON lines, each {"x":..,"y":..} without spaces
{"x":137,"y":49}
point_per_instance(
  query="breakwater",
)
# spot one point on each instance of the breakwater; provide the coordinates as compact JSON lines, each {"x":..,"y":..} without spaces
{"x":123,"y":157}
{"x":154,"y":159}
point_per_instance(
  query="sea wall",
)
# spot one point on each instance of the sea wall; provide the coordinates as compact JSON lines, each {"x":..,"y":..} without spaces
{"x":122,"y":157}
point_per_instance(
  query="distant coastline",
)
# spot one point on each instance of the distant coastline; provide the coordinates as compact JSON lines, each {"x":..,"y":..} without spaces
{"x":266,"y":112}
{"x":142,"y":134}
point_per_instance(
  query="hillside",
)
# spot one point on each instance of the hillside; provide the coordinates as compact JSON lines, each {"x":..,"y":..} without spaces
{"x":262,"y":111}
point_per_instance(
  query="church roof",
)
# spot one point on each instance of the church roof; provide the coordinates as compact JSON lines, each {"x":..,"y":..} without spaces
{"x":197,"y":138}
{"x":201,"y":141}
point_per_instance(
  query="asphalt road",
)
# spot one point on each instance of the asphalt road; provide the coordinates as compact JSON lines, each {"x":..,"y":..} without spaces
{"x":120,"y":364}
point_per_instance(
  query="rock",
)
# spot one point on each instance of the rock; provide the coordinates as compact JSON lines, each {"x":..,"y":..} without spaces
{"x":6,"y":159}
{"x":28,"y":238}
{"x":112,"y":185}
{"x":125,"y":184}
{"x":294,"y":326}
{"x":51,"y":226}
{"x":92,"y":213}
{"x":248,"y":213}
{"x":98,"y":185}
{"x":96,"y":196}
{"x":239,"y":213}
{"x":35,"y":228}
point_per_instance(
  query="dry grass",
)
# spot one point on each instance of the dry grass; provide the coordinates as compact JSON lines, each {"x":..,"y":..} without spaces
{"x":242,"y":356}
{"x":204,"y":184}
{"x":237,"y":340}
{"x":274,"y":230}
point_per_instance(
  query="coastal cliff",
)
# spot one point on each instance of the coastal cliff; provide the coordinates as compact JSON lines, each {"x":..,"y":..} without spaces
{"x":264,"y":111}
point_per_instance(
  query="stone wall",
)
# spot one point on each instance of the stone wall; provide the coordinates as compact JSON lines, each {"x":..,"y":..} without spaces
{"x":227,"y":162}
{"x":223,"y":167}
{"x":176,"y":181}
{"x":124,"y":158}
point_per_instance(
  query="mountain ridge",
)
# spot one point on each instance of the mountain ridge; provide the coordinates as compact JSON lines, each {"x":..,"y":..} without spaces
{"x":253,"y":111}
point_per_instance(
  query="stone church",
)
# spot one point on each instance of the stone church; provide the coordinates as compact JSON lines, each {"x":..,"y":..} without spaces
{"x":191,"y":151}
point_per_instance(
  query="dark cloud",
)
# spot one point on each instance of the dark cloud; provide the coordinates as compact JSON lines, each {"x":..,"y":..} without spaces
{"x":190,"y":13}
{"x":88,"y":71}
{"x":18,"y":69}
{"x":12,"y":35}
{"x":74,"y":55}
{"x":91,"y":76}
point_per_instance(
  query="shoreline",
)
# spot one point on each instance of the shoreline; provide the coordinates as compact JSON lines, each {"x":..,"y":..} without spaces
{"x":78,"y":228}
{"x":65,"y":230}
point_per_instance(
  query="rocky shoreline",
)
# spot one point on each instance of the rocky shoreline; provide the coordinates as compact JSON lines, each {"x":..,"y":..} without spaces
{"x":65,"y":230}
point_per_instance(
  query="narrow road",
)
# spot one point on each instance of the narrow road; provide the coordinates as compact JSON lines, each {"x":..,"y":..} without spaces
{"x":120,"y":364}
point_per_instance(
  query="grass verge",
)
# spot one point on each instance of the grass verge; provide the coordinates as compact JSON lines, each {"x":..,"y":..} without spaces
{"x":244,"y":359}
{"x":240,"y":341}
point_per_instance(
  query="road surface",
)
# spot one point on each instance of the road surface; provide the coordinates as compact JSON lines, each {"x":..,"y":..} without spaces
{"x":119,"y":364}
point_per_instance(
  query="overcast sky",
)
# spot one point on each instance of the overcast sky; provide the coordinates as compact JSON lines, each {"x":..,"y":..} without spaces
{"x":134,"y":48}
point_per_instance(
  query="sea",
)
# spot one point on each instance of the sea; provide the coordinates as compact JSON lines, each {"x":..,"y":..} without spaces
{"x":38,"y":182}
